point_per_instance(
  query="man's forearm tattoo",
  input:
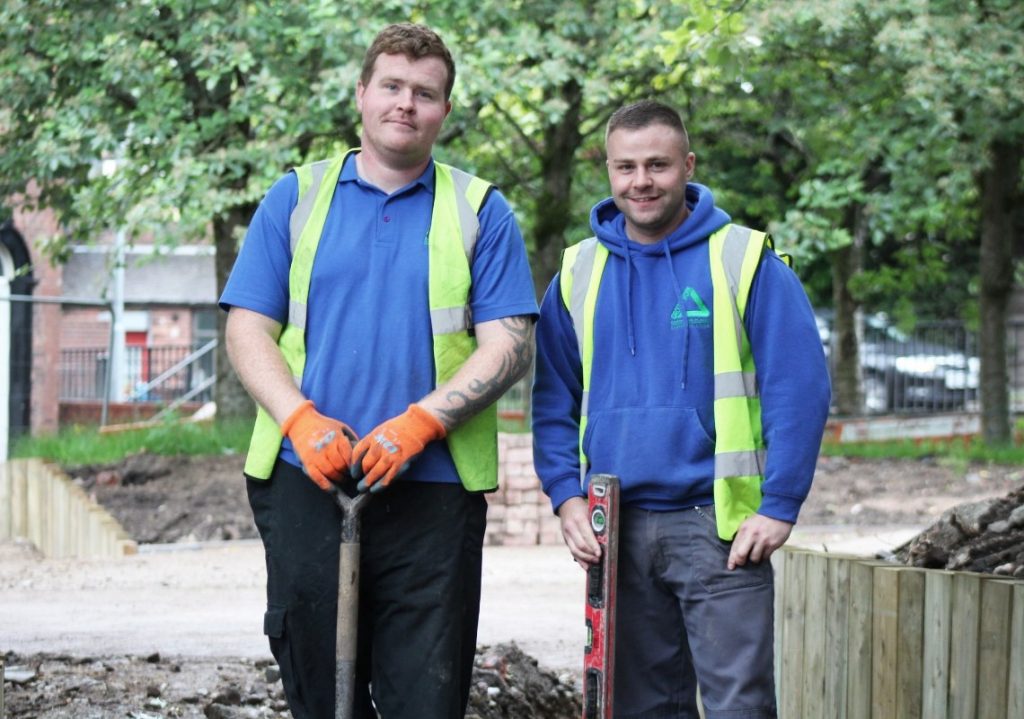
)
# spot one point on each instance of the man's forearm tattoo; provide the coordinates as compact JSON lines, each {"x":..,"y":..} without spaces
{"x":484,"y":391}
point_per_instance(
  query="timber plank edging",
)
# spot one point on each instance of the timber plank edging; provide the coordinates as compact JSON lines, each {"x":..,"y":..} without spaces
{"x":900,"y":641}
{"x":41,"y":504}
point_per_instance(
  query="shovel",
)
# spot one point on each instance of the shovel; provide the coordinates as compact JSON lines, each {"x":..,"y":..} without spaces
{"x":348,"y":603}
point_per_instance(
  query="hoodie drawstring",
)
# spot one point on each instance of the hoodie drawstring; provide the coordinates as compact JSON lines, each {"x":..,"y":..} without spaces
{"x":630,"y":332}
{"x":686,"y":322}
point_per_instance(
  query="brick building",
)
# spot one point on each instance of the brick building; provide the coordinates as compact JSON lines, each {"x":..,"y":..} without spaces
{"x":58,"y":329}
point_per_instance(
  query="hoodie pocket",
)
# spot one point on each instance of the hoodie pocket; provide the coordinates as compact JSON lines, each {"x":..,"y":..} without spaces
{"x":649,"y":445}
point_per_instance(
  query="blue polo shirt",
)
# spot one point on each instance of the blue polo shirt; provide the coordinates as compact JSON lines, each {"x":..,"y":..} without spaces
{"x":369,"y":349}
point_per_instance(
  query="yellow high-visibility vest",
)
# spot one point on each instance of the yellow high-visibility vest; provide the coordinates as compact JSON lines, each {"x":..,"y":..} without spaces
{"x":454,"y":229}
{"x":735,"y":253}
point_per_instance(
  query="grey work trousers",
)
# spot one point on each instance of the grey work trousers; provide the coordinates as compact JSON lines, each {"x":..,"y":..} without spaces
{"x":683,"y":618}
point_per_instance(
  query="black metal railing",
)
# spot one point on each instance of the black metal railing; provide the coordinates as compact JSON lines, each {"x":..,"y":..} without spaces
{"x":933,"y":368}
{"x":158,"y":373}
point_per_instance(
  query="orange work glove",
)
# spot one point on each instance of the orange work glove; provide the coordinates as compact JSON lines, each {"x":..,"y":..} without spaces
{"x":323,"y":444}
{"x":385,"y":452}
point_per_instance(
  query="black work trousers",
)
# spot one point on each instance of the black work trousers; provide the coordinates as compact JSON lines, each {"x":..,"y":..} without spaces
{"x":419,"y":598}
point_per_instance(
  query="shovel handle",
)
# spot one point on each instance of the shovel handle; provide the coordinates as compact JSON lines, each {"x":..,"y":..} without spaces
{"x":345,"y":646}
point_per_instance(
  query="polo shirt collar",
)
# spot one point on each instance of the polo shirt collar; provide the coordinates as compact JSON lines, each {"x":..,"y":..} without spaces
{"x":350,"y":174}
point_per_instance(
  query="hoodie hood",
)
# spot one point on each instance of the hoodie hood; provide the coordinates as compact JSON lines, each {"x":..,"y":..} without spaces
{"x":609,"y":225}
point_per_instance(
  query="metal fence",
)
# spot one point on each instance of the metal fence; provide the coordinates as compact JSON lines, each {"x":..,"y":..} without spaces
{"x":181,"y":369}
{"x":934,"y":368}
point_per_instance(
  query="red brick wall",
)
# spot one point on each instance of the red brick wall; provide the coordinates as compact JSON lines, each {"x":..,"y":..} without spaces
{"x":35,"y":227}
{"x":171,"y":326}
{"x":89,"y":413}
{"x":85,"y":328}
{"x":519,"y":513}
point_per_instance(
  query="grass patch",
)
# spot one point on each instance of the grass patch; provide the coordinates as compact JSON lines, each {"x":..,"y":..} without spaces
{"x":958,"y":452}
{"x":87,"y":445}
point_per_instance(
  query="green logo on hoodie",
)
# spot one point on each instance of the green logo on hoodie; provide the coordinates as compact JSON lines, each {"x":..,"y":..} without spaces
{"x":697,"y":315}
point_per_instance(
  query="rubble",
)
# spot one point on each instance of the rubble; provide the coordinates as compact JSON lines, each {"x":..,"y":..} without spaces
{"x":985,"y":536}
{"x":507,"y":684}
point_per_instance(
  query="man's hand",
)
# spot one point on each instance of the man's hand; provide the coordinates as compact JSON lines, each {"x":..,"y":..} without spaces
{"x":577,"y":532}
{"x":323,"y":444}
{"x":385,"y":452}
{"x":756,"y":539}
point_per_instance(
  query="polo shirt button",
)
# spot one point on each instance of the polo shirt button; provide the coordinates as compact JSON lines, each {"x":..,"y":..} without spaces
{"x":387,"y":218}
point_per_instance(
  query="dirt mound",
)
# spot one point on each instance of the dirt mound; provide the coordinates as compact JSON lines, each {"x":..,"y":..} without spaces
{"x":181,"y":499}
{"x":159,"y":499}
{"x":507,"y":684}
{"x":984,"y":536}
{"x":57,"y":686}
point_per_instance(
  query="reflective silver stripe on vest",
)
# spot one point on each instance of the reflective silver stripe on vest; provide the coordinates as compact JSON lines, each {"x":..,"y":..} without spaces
{"x":739,"y":464}
{"x":446,"y":320}
{"x":304,"y":207}
{"x":297,"y":314}
{"x":735,"y":384}
{"x":468,"y":220}
{"x":734,"y":249}
{"x":581,"y":270}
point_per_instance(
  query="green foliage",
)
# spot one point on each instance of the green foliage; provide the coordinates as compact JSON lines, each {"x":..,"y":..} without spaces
{"x":849,"y":121}
{"x":542,"y":78}
{"x":87,"y":445}
{"x":160,"y":118}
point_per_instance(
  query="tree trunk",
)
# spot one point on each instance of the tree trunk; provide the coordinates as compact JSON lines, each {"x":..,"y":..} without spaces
{"x":554,"y":206}
{"x":845,"y":358}
{"x":999,"y":190}
{"x":233,"y":402}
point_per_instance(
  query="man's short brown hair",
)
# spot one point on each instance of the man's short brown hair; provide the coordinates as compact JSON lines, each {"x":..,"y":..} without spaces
{"x":413,"y":41}
{"x":644,"y":114}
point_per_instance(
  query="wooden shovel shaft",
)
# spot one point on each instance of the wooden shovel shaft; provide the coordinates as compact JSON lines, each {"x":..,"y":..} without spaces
{"x":346,"y":635}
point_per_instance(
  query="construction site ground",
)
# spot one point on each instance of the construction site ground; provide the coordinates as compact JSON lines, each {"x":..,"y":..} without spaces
{"x":176,"y":630}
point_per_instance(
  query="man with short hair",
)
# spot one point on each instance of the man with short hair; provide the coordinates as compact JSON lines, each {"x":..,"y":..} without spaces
{"x":677,"y":351}
{"x":380,"y":305}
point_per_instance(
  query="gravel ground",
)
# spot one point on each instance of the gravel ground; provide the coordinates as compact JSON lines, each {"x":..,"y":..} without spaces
{"x":176,"y":633}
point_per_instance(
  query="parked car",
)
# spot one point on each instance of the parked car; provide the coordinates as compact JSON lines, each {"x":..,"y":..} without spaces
{"x":929,"y":371}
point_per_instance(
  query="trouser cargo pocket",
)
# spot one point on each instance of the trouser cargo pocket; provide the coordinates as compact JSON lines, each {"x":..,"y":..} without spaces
{"x":273,"y":622}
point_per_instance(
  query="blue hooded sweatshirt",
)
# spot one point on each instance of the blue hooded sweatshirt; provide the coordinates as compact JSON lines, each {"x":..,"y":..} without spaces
{"x":651,"y":417}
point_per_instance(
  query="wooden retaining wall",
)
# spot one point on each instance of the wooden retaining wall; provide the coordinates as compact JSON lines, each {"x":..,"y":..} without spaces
{"x":861,"y":639}
{"x":38,"y":502}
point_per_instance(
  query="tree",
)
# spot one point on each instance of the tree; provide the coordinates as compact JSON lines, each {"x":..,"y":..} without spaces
{"x":544,"y":77}
{"x":969,"y":62}
{"x":895,"y":131}
{"x":199,"y":105}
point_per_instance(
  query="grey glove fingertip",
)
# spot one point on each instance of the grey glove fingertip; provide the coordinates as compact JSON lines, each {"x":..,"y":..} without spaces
{"x":356,"y":470}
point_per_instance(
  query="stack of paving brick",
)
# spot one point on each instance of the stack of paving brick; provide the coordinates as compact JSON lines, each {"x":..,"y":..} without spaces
{"x":519,"y":513}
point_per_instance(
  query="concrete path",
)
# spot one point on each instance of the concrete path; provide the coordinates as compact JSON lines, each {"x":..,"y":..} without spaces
{"x":208,"y":600}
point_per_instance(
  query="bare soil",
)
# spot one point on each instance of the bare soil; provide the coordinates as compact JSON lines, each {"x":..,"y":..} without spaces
{"x":187,"y":499}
